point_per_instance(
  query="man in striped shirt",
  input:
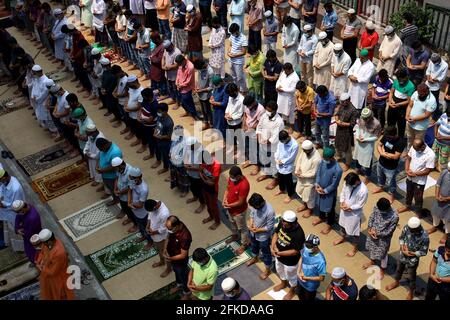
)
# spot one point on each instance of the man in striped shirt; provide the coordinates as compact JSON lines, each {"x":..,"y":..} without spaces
{"x":236,"y":53}
{"x":409,"y":34}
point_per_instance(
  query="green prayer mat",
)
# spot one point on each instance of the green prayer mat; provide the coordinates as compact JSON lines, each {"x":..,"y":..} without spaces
{"x":118,"y":257}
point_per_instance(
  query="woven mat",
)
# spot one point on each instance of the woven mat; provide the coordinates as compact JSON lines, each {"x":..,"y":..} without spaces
{"x":61,"y":181}
{"x":10,"y":259}
{"x":5,"y":110}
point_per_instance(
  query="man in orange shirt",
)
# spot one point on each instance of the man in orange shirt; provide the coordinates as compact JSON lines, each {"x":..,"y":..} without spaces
{"x":53,"y":263}
{"x":369,"y":39}
{"x":235,"y":201}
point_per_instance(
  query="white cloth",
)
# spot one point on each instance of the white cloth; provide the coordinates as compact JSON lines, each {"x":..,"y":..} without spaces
{"x":63,"y":106}
{"x":8,"y":194}
{"x":342,"y":64}
{"x":59,"y":38}
{"x":157,"y":219}
{"x":288,"y":273}
{"x":235,"y":108}
{"x":420,"y":161}
{"x":289,"y":38}
{"x":437,"y":72}
{"x":363,"y":151}
{"x":307,"y":45}
{"x":121,"y":23}
{"x":98,"y":10}
{"x":136,"y":6}
{"x":358,"y":90}
{"x":355,"y":198}
{"x":39,"y":94}
{"x":134,"y":97}
{"x":93,"y":154}
{"x":322,"y":58}
{"x":389,"y":48}
{"x":306,"y":167}
{"x":150,"y":4}
{"x":286,"y":99}
{"x":268,"y":129}
{"x":121,"y":87}
{"x":139,"y":193}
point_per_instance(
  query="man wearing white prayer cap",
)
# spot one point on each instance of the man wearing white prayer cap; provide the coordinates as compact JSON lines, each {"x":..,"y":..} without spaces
{"x":58,"y":36}
{"x":45,"y":235}
{"x":369,"y":39}
{"x":350,"y":33}
{"x":233,"y":291}
{"x":92,"y":153}
{"x":305,"y":171}
{"x":390,"y":50}
{"x":36,"y":68}
{"x":305,"y":50}
{"x":414,"y":243}
{"x":270,"y":31}
{"x":340,"y":64}
{"x":104,"y":61}
{"x":28,"y":222}
{"x":341,"y":287}
{"x":95,"y":51}
{"x":131,"y":78}
{"x":322,"y":61}
{"x":192,"y":161}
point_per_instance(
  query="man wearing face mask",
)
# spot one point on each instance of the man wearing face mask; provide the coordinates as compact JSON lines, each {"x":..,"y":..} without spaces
{"x":235,"y":202}
{"x":352,"y":200}
{"x":132,"y":108}
{"x":156,"y":227}
{"x":419,"y":163}
{"x":369,"y":39}
{"x":194,"y":31}
{"x":330,"y":19}
{"x":340,"y":64}
{"x":416,"y":62}
{"x":236,"y":54}
{"x":312,"y":269}
{"x":253,"y":113}
{"x":253,"y":69}
{"x":289,"y":38}
{"x":61,"y":113}
{"x":91,"y":152}
{"x":203,"y":275}
{"x":418,"y":113}
{"x":441,"y":208}
{"x":237,"y":12}
{"x":255,"y":25}
{"x":234,"y":114}
{"x":270,"y":31}
{"x":109,"y":83}
{"x":108,"y":151}
{"x":436,"y":74}
{"x":285,"y":87}
{"x":414,"y":243}
{"x":324,"y":105}
{"x":285,"y":156}
{"x":95,"y":75}
{"x":217,"y":45}
{"x":350,"y":32}
{"x":287,"y":242}
{"x":171,"y":68}
{"x":322,"y":61}
{"x":341,"y":287}
{"x":233,"y":291}
{"x":163,"y":135}
{"x":346,"y":119}
{"x":382,"y":224}
{"x":185,"y":83}
{"x":305,"y":170}
{"x":142,"y":49}
{"x":304,"y":99}
{"x":390,"y":50}
{"x":271,"y":72}
{"x":359,"y":75}
{"x":178,"y":21}
{"x":305,"y":50}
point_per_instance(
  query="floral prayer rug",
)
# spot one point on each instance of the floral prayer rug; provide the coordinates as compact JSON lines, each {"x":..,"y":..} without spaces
{"x":61,"y":181}
{"x":44,"y":159}
{"x":89,"y":220}
{"x":118,"y":257}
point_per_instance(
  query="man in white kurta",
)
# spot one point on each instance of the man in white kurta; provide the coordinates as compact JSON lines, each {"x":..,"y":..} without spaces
{"x":285,"y":87}
{"x":95,"y":77}
{"x":39,"y":96}
{"x":237,"y":12}
{"x":289,"y":41}
{"x":352,"y":199}
{"x":359,"y":75}
{"x":98,"y":9}
{"x":390,"y":50}
{"x":305,"y":171}
{"x":92,"y":152}
{"x":305,"y":50}
{"x":322,"y":61}
{"x":340,"y":64}
{"x":57,"y":36}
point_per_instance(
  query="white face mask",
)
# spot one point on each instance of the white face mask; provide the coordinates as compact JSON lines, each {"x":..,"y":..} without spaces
{"x":170,"y":231}
{"x":230,"y":294}
{"x":159,"y":114}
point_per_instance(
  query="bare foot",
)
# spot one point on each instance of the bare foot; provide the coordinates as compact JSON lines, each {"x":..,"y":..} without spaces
{"x":148,"y":157}
{"x":265,"y":274}
{"x":133,"y":229}
{"x":261,"y":178}
{"x":301,"y":208}
{"x":251,"y":261}
{"x":378,"y":190}
{"x":403,"y":209}
{"x":279,"y":192}
{"x":206,"y":220}
{"x":410,"y":295}
{"x":352,"y":252}
{"x":95,"y":183}
{"x":165,"y":274}
{"x":214,"y":226}
{"x":156,"y":164}
{"x":255,"y":171}
{"x":432,"y":230}
{"x":338,"y":241}
{"x":158,"y":264}
{"x":200,"y":209}
{"x":287,"y":200}
{"x":392,"y":286}
{"x":163,"y":170}
{"x":184,"y":194}
{"x":280,"y":286}
{"x":307,"y":214}
{"x":289,"y":295}
{"x":191,"y":200}
{"x":317,"y":221}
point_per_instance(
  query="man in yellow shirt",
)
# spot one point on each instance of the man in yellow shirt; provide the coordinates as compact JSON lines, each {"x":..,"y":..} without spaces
{"x":203,"y":275}
{"x":253,"y":69}
{"x":304,"y":98}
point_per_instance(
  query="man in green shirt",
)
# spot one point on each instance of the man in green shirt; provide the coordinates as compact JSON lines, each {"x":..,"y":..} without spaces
{"x":203,"y":275}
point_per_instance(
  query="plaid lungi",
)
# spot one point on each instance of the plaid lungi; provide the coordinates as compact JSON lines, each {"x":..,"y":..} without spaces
{"x":179,"y":39}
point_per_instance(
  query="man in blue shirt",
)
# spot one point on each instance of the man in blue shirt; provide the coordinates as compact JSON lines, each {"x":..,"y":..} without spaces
{"x":108,"y":151}
{"x":312,"y":270}
{"x":439,"y":280}
{"x":342,"y":287}
{"x":285,"y":155}
{"x":324,"y":104}
{"x":329,"y":21}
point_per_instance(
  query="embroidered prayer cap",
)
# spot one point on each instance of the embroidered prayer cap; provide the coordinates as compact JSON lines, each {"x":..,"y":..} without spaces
{"x":414,"y":223}
{"x":135,"y":172}
{"x":364,"y":53}
{"x":131,"y":78}
{"x":307,"y":27}
{"x":18,"y":205}
{"x":104,"y":61}
{"x":322,"y":35}
{"x":388,"y":30}
{"x":78,"y":112}
{"x":91,"y":127}
{"x":338,"y":273}
{"x":289,"y":216}
{"x":338,"y":46}
{"x":307,"y":145}
{"x":366,"y":113}
{"x":34,"y":239}
{"x":344,"y":96}
{"x":55,"y":88}
{"x":191,"y":140}
{"x":45,"y":234}
{"x":328,"y":152}
{"x":36,"y":67}
{"x":228,"y":284}
{"x":268,"y":13}
{"x":435,"y":57}
{"x":370,"y":25}
{"x":115,"y":162}
{"x":351,"y":11}
{"x":313,"y":240}
{"x":57,"y":11}
{"x":95,"y":51}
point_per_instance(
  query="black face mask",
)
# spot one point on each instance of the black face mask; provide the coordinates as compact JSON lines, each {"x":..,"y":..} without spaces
{"x":423,"y":98}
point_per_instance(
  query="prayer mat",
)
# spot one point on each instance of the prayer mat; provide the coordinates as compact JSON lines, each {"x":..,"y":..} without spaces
{"x":44,"y":159}
{"x":30,"y":292}
{"x":58,"y":75}
{"x":9,"y":105}
{"x":89,"y":220}
{"x":61,"y":181}
{"x":163,"y":293}
{"x":118,"y":257}
{"x":9,"y":259}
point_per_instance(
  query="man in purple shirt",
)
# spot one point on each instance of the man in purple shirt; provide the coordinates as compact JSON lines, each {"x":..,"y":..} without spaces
{"x":417,"y":62}
{"x":232,"y":290}
{"x":28,"y":222}
{"x":324,"y":104}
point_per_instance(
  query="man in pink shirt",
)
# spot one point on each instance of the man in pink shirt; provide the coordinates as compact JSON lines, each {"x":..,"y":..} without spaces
{"x":252,"y":114}
{"x":185,"y":83}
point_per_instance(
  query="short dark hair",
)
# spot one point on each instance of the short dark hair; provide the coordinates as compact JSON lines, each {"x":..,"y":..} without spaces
{"x":390,"y":131}
{"x":179,"y":58}
{"x":383,"y":73}
{"x":174,"y":220}
{"x":408,"y":17}
{"x":71,"y":97}
{"x":150,"y":204}
{"x":147,"y":92}
{"x":248,"y":100}
{"x":383,"y":204}
{"x":64,"y":28}
{"x":287,"y":19}
{"x":367,"y":293}
{"x":287,"y":66}
{"x":234,"y":27}
{"x":401,"y":73}
{"x":351,"y":178}
{"x":116,"y":69}
{"x":252,"y":49}
{"x":447,"y":243}
{"x":271,"y":54}
{"x":215,"y":20}
{"x":163,"y":107}
{"x":416,"y":44}
{"x":256,"y":200}
{"x":300,"y":85}
{"x":235,"y":171}
{"x":272,"y":105}
{"x":199,"y":64}
{"x":283,"y":135}
{"x":101,"y":142}
{"x":137,"y":25}
{"x":232,"y":87}
{"x":321,"y":89}
{"x":128,"y":12}
{"x":199,"y":254}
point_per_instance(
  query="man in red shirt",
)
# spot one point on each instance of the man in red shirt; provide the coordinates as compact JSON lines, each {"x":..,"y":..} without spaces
{"x":235,"y":201}
{"x":369,"y":39}
{"x":209,"y":174}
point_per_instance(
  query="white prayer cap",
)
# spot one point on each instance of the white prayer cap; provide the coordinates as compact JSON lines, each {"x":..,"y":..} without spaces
{"x":95,"y":51}
{"x":351,"y":11}
{"x":55,"y":88}
{"x":307,"y":145}
{"x":104,"y":61}
{"x":228,"y":284}
{"x":289,"y":216}
{"x":17,"y":205}
{"x":49,"y":83}
{"x":268,"y":13}
{"x":191,"y":140}
{"x":34,"y":240}
{"x":91,"y":128}
{"x":338,"y":46}
{"x":414,"y":222}
{"x":135,"y":172}
{"x":307,"y":27}
{"x":116,"y":162}
{"x":322,"y":35}
{"x":189,"y":8}
{"x":388,"y":30}
{"x":57,"y":11}
{"x":448,"y":165}
{"x":344,"y":96}
{"x":45,"y":234}
{"x":131,"y":78}
{"x":70,"y":26}
{"x":166,"y":43}
{"x":36,"y":67}
{"x":338,"y":273}
{"x":370,"y":25}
